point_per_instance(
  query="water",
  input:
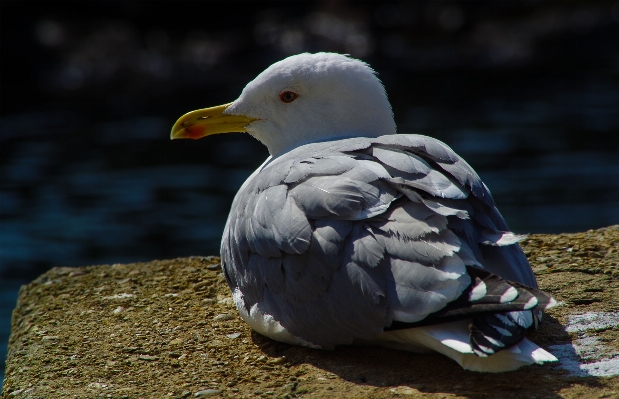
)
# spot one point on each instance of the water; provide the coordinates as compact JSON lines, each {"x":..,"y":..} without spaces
{"x":89,"y":176}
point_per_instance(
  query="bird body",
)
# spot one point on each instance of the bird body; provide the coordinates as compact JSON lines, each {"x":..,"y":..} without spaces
{"x":352,"y":234}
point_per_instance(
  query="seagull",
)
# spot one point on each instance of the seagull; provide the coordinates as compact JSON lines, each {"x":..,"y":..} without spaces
{"x":352,"y":234}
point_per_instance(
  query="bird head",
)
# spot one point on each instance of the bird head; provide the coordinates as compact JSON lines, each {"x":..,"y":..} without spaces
{"x":302,"y":99}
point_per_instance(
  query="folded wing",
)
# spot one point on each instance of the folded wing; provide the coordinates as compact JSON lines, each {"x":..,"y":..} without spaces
{"x":339,"y":241}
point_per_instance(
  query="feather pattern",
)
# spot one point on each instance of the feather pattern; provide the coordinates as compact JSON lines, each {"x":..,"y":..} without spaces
{"x":499,"y":312}
{"x":340,"y":241}
{"x":316,"y":167}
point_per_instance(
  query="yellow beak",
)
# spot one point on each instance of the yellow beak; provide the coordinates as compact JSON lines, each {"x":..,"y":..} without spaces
{"x":207,"y":121}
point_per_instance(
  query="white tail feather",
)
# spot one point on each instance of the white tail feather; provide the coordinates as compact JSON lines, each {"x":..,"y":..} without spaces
{"x":452,"y":340}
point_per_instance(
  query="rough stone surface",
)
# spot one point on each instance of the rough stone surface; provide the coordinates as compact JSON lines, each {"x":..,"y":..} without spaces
{"x":168,"y":329}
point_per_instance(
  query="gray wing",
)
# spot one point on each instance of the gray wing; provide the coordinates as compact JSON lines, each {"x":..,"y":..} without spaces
{"x":338,"y":240}
{"x":483,"y":232}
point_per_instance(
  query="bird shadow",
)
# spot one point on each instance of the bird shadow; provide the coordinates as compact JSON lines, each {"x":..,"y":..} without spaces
{"x":434,"y":373}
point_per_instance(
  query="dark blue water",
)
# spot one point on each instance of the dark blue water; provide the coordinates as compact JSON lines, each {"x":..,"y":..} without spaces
{"x":528,"y":95}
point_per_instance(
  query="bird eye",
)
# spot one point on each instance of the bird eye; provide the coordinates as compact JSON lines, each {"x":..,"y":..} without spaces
{"x":288,"y":96}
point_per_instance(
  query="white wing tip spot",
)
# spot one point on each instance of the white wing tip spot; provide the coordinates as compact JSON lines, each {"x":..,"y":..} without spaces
{"x":531,"y":303}
{"x":494,"y":342}
{"x":478,"y":292}
{"x":551,"y":303}
{"x":509,"y":295}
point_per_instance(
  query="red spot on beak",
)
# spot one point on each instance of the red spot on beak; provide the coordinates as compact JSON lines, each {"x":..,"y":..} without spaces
{"x":195,"y":131}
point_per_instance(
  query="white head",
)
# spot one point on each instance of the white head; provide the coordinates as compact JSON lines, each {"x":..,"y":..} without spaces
{"x":302,"y":99}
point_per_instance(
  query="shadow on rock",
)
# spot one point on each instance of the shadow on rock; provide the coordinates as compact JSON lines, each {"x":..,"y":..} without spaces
{"x":401,"y":371}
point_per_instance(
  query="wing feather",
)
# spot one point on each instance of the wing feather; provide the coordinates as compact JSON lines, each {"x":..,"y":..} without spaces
{"x":367,"y":249}
{"x":303,"y":168}
{"x":339,"y":240}
{"x":401,"y":160}
{"x":331,"y":196}
{"x":289,"y":224}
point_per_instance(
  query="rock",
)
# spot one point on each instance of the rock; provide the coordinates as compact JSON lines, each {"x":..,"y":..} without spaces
{"x":223,"y":317}
{"x":66,"y":335}
{"x":207,"y":392}
{"x":202,"y":285}
{"x":77,"y":273}
{"x":278,"y":360}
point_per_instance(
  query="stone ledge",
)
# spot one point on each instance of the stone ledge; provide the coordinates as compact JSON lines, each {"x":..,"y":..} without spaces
{"x":170,"y":329}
